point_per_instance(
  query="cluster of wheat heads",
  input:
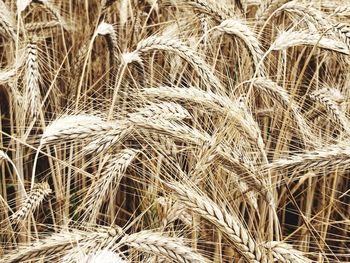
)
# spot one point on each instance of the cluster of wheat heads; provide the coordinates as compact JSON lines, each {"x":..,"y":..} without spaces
{"x":174,"y":131}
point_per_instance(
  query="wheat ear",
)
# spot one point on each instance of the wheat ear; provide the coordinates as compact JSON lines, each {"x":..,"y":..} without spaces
{"x":311,"y":15}
{"x":55,"y":13}
{"x":32,"y":78}
{"x":36,"y":26}
{"x":285,"y":253}
{"x":251,"y":196}
{"x":225,"y":154}
{"x":210,"y":101}
{"x":94,"y":256}
{"x":176,"y":130}
{"x":122,"y":128}
{"x":298,"y":38}
{"x":174,"y":45}
{"x":55,"y":245}
{"x":264,"y":11}
{"x":280,"y":95}
{"x":337,"y":115}
{"x":164,"y":110}
{"x":9,"y":73}
{"x":106,"y":3}
{"x":342,"y":10}
{"x":109,"y":178}
{"x":344,"y":32}
{"x":4,"y":156}
{"x":110,"y":33}
{"x":7,"y":21}
{"x":329,"y":157}
{"x":212,"y":8}
{"x":169,"y":247}
{"x":109,"y":138}
{"x":173,"y":211}
{"x":33,"y":200}
{"x":237,"y":28}
{"x":233,"y":163}
{"x":72,"y":127}
{"x":227,"y":223}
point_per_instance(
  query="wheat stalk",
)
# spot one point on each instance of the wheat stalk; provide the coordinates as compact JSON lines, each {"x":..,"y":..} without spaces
{"x":123,"y":12}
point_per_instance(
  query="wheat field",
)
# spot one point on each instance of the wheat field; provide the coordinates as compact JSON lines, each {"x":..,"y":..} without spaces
{"x":174,"y":131}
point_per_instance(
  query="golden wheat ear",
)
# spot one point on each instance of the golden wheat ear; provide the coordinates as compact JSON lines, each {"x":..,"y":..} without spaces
{"x":324,"y":158}
{"x":229,"y":224}
{"x":108,"y":182}
{"x":7,"y":21}
{"x":159,"y":244}
{"x":301,"y":38}
{"x":54,"y":11}
{"x":71,"y":127}
{"x":212,"y":8}
{"x":237,"y":28}
{"x":32,"y":79}
{"x":103,"y":255}
{"x":281,"y":96}
{"x":306,"y":12}
{"x":324,"y":97}
{"x":32,"y":202}
{"x":222,"y":104}
{"x":266,"y":10}
{"x":58,"y":244}
{"x":174,"y":45}
{"x":284,"y":252}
